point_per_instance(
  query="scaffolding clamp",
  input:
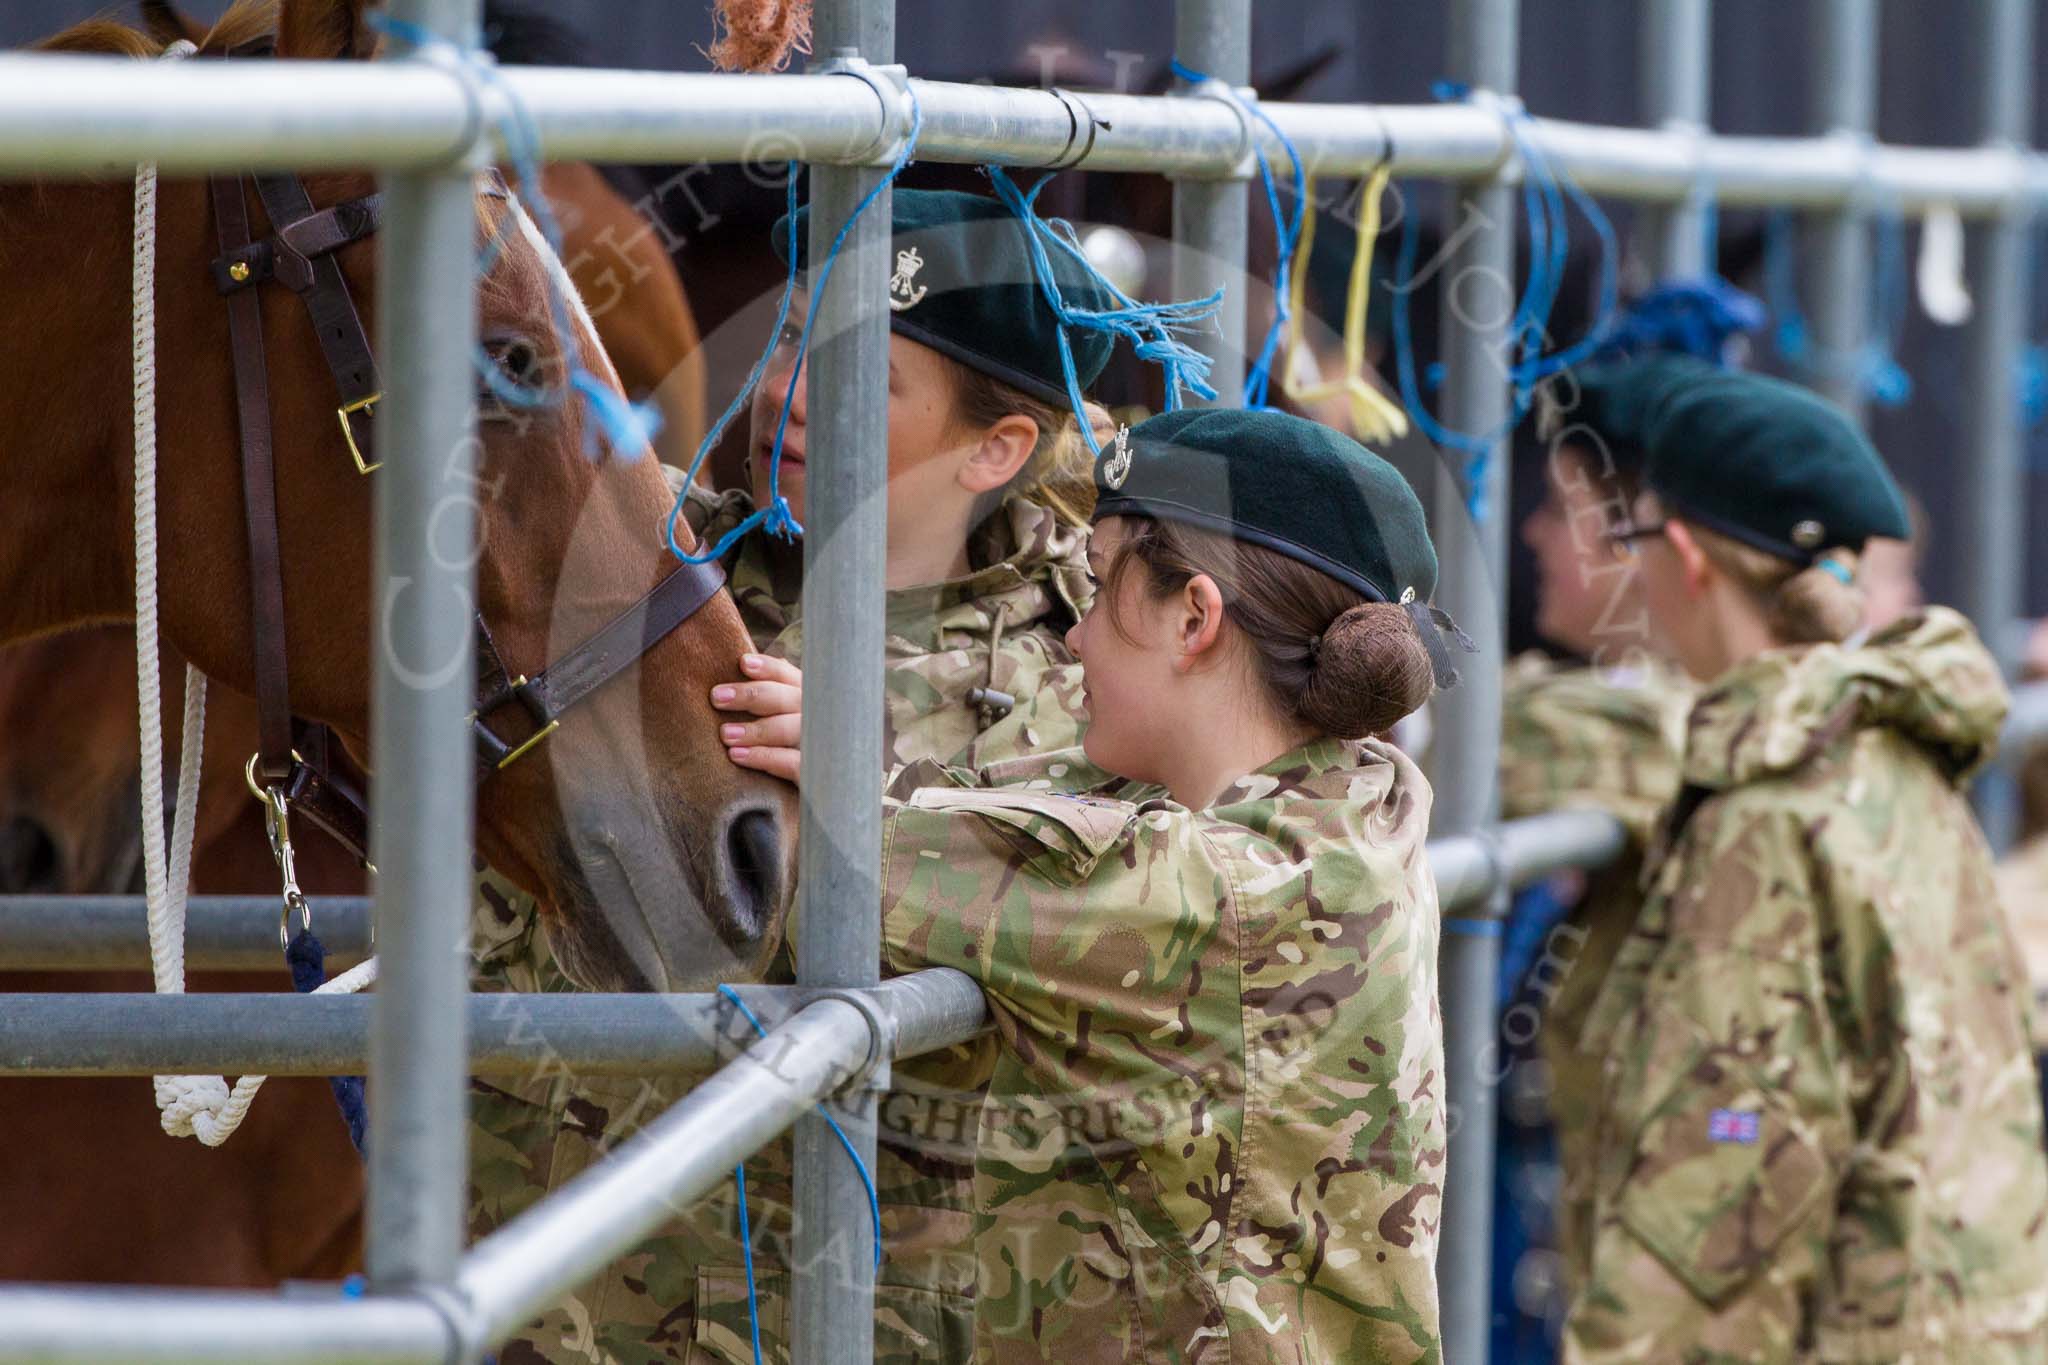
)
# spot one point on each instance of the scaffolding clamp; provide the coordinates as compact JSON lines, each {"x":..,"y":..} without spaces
{"x":871,"y":1074}
{"x":1244,"y":162}
{"x":891,"y":85}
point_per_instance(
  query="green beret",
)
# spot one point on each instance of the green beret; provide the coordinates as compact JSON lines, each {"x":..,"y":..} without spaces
{"x":1615,"y":401}
{"x":1292,"y":485}
{"x":1772,"y":465}
{"x":963,"y":284}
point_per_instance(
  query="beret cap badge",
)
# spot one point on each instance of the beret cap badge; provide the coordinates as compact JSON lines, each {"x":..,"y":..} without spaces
{"x":904,"y":291}
{"x":1117,"y":467}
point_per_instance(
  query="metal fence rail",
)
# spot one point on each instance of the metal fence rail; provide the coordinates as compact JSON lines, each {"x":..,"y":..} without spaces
{"x":285,"y":1035}
{"x":520,"y":1269}
{"x":78,"y":114}
{"x":424,"y":124}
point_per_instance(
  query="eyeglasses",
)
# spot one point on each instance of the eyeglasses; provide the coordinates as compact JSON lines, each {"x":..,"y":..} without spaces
{"x":1622,"y":537}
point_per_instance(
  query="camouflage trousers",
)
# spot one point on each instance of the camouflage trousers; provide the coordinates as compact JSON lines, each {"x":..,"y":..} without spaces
{"x":681,"y":1295}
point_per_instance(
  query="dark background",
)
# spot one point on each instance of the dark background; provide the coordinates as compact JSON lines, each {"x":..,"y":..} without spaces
{"x":1578,"y":61}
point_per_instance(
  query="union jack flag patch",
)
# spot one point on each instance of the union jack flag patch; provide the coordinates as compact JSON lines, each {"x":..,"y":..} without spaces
{"x":1733,"y":1125}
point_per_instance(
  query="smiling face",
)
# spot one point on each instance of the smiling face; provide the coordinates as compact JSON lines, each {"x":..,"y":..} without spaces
{"x":926,"y":451}
{"x":1127,"y":647}
{"x":1588,"y":599}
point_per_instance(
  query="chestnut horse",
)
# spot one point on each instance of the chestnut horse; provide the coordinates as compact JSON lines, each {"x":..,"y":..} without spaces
{"x":72,"y":826}
{"x":565,"y":543}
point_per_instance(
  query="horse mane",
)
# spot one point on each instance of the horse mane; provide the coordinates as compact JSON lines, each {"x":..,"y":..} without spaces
{"x":245,"y":21}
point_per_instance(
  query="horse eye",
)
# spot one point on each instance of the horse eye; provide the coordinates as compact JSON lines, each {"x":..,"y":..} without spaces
{"x":518,"y":373}
{"x":519,"y":361}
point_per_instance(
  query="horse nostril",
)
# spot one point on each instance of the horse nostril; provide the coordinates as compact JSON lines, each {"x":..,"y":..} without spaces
{"x":28,"y":858}
{"x":753,"y":850}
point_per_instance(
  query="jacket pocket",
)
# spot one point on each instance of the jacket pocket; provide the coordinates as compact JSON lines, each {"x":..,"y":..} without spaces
{"x":1723,"y":1171}
{"x":1067,"y":835}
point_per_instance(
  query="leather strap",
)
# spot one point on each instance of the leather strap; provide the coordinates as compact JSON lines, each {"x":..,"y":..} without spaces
{"x":332,"y":802}
{"x":287,"y":257}
{"x":325,"y":291}
{"x":259,"y":497}
{"x":293,"y":754}
{"x":621,"y":643}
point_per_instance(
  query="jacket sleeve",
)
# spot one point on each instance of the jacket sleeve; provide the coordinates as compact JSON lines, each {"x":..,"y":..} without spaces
{"x":975,"y":878}
{"x":1726,"y":1124}
{"x":1571,"y":741}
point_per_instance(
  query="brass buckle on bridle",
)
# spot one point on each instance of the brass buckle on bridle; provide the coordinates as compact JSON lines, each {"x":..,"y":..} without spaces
{"x":514,"y":692}
{"x":366,"y":406}
{"x":277,"y":825}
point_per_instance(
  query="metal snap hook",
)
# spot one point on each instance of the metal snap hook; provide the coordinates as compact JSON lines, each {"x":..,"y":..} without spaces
{"x":277,"y":827}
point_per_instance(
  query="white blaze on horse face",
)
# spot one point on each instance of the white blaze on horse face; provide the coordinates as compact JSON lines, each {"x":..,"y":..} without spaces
{"x":591,"y":345}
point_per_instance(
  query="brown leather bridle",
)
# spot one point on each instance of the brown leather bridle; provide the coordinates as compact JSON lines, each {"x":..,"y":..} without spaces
{"x":291,"y":766}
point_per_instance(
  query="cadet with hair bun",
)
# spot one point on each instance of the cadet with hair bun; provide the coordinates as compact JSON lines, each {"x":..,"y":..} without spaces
{"x":1821,"y":1138}
{"x":1216,"y":1126}
{"x":990,"y":484}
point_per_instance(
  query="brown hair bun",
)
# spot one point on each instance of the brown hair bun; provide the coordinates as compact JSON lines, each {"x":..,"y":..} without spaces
{"x":1369,"y":670}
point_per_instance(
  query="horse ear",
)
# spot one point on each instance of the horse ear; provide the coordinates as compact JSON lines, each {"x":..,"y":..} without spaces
{"x":1288,"y":82}
{"x":325,"y":30}
{"x":167,"y":24}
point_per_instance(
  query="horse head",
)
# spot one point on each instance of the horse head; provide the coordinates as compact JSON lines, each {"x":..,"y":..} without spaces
{"x":657,"y":863}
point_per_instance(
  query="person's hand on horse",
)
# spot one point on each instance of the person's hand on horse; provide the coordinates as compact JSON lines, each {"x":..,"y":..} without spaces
{"x":774,"y":694}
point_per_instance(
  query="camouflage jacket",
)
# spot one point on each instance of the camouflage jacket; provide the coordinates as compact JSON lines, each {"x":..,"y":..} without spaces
{"x":2023,"y":891}
{"x":1216,"y":1129}
{"x":682,"y":1295}
{"x":1580,"y":738}
{"x":1822,"y":1138}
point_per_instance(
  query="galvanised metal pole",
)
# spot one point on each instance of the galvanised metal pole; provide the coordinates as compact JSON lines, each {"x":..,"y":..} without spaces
{"x":1676,"y":62}
{"x":1843,"y":102}
{"x":97,"y":1033}
{"x":1210,"y":225}
{"x":1478,"y":298}
{"x":845,"y":541}
{"x":1993,"y":480}
{"x":573,"y":1233}
{"x":425,"y":594}
{"x":64,"y":115}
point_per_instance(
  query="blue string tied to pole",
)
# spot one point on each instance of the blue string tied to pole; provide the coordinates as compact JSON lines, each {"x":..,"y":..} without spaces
{"x":1699,"y":316}
{"x":628,"y":428}
{"x":777,"y":518}
{"x":739,"y":1173}
{"x":1544,"y":199}
{"x":2031,"y":383}
{"x":1287,"y":228}
{"x":1871,"y":364}
{"x":1153,"y":329}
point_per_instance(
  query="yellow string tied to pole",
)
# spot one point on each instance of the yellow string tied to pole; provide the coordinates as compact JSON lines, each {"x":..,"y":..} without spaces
{"x":1374,"y":415}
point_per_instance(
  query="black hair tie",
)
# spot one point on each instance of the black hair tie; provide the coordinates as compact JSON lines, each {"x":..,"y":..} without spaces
{"x":1438,"y":633}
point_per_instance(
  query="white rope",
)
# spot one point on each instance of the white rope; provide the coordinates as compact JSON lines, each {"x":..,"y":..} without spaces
{"x":189,"y":1106}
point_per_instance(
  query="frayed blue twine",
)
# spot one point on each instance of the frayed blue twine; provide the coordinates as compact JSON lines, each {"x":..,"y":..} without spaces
{"x":739,"y":1174}
{"x":1699,"y":316}
{"x":1153,"y":329}
{"x":627,"y":427}
{"x":2031,"y":383}
{"x":1544,"y":196}
{"x":1287,"y":231}
{"x":1871,"y":365}
{"x":777,"y":517}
